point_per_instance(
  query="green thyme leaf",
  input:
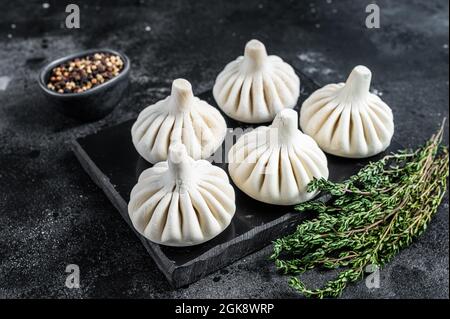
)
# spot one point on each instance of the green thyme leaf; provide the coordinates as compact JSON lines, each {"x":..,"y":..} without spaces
{"x":368,"y":218}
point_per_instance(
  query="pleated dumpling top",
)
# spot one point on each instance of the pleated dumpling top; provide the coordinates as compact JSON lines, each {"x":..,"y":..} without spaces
{"x":346,"y":119}
{"x":255,"y":87}
{"x":274,"y":164}
{"x":180,"y":117}
{"x":181,"y":202}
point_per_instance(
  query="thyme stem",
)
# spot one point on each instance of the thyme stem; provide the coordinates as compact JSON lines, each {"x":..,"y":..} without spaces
{"x":369,"y":218}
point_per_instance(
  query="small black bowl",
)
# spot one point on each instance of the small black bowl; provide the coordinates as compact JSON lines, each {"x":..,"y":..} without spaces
{"x":92,"y":104}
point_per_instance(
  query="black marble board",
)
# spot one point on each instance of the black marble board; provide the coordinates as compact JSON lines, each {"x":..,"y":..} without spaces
{"x":110,"y":159}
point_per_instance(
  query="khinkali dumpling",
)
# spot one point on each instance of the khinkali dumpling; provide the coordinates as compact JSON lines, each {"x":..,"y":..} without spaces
{"x":345,"y":119}
{"x":255,"y":87}
{"x":180,"y":117}
{"x":274,"y":164}
{"x":181,"y":202}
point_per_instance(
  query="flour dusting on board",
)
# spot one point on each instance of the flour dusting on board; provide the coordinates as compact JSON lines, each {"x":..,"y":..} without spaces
{"x":4,"y":82}
{"x":315,"y":63}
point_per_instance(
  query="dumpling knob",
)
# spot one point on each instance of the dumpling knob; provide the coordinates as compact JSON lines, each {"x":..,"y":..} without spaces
{"x":255,"y":55}
{"x":274,"y":164}
{"x":180,"y":117}
{"x":357,"y":86}
{"x":346,"y":119}
{"x":181,"y":96}
{"x":286,"y":125}
{"x":181,"y":201}
{"x":255,"y":87}
{"x":179,"y":166}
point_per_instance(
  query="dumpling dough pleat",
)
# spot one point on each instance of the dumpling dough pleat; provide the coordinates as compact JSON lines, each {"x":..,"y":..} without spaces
{"x":256,"y":86}
{"x":183,"y":118}
{"x":346,"y":119}
{"x":181,"y":202}
{"x":274,"y":164}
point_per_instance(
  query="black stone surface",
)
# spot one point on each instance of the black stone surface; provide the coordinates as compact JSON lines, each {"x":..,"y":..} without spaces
{"x":109,"y":157}
{"x":52,"y":215}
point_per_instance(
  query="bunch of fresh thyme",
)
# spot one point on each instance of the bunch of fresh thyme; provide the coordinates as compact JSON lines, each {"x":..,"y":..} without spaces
{"x":368,"y":219}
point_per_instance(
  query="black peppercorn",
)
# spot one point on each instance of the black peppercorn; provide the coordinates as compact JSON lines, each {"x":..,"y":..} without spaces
{"x":84,"y":73}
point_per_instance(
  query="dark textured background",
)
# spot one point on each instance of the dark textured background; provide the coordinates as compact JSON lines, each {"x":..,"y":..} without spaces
{"x":51,"y":214}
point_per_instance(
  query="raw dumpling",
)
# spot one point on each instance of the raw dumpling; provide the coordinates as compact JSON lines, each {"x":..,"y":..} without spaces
{"x":345,"y":119}
{"x":181,"y":202}
{"x":180,"y":117}
{"x":255,"y":87}
{"x":274,"y":164}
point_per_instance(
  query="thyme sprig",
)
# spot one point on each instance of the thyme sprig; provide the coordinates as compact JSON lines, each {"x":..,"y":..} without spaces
{"x":368,"y":218}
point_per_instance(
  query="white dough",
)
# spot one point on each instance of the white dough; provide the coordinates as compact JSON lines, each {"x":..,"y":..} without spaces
{"x":181,"y":202}
{"x":180,"y":117}
{"x":274,"y":164}
{"x":346,"y":120}
{"x":255,"y":87}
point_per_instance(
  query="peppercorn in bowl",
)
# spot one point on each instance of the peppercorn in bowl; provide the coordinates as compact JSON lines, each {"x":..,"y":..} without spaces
{"x":86,"y":85}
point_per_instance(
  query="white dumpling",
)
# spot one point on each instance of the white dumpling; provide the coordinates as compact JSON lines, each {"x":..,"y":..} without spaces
{"x":181,"y":202}
{"x":274,"y":164}
{"x":255,"y":87}
{"x":180,"y":117}
{"x":346,"y":119}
